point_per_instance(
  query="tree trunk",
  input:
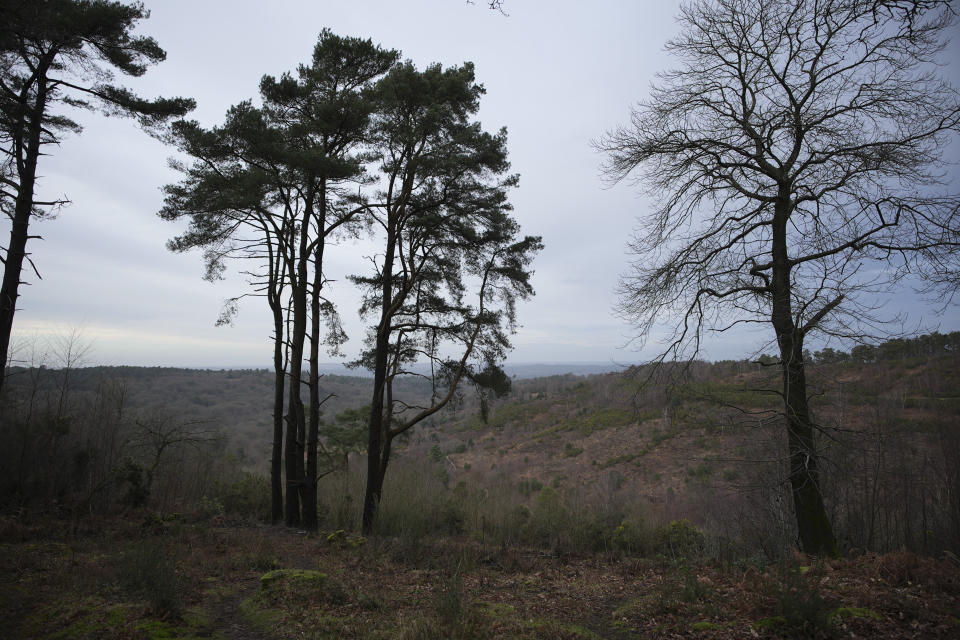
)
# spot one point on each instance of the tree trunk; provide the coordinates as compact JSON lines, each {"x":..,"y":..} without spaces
{"x":813,"y":524}
{"x":310,"y":520}
{"x":16,"y":252}
{"x":384,"y":461}
{"x":296,"y":430}
{"x":19,"y":228}
{"x":293,"y":457}
{"x":374,"y":488}
{"x":276,"y":460}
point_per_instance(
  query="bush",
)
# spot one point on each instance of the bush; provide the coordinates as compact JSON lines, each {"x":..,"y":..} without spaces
{"x":571,"y":451}
{"x":680,"y":538}
{"x":631,"y":537}
{"x":148,"y":570}
{"x":448,"y":602}
{"x":549,"y":519}
{"x":417,"y":505}
{"x":528,"y":486}
{"x":795,"y":600}
{"x":247,"y":496}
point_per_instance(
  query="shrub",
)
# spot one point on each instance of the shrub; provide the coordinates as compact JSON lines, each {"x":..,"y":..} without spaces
{"x":571,"y":451}
{"x":416,"y":505}
{"x":549,"y":519}
{"x":448,"y":602}
{"x":248,"y":495}
{"x":632,"y":537}
{"x":680,"y":538}
{"x":796,"y":600}
{"x":148,"y":570}
{"x":528,"y":486}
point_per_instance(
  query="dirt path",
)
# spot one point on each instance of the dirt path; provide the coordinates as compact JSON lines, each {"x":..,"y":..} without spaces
{"x":228,"y":619}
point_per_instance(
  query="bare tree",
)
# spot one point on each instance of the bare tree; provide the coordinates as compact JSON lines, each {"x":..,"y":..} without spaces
{"x":158,"y":436}
{"x":795,"y":155}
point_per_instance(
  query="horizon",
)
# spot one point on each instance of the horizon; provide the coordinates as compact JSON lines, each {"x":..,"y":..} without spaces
{"x":334,"y":368}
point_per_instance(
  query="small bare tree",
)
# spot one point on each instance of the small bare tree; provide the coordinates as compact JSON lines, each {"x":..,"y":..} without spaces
{"x":795,"y":156}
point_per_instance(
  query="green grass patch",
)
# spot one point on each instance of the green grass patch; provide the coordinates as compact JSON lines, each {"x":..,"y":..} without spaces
{"x":772,"y":622}
{"x":262,"y":618}
{"x":841,"y":613}
{"x":556,"y":629}
{"x":729,"y":394}
{"x":300,"y":586}
{"x":570,"y":450}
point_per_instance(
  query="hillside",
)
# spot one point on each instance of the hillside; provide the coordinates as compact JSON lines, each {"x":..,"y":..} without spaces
{"x":711,"y":447}
{"x":583,"y":507}
{"x":708,"y":446}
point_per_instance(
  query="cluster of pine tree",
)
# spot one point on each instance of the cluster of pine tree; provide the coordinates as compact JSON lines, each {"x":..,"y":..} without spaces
{"x":359,"y":143}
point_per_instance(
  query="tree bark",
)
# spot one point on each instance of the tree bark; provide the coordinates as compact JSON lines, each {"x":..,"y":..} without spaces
{"x":374,"y":488}
{"x":296,"y":429}
{"x":276,"y":459}
{"x":310,"y":520}
{"x":813,"y":523}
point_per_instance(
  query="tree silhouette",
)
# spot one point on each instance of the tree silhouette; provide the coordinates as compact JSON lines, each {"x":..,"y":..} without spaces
{"x":452,"y":262}
{"x":267,"y":186}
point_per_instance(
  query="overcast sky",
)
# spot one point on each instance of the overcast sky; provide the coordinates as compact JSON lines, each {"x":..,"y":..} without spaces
{"x":557,"y":75}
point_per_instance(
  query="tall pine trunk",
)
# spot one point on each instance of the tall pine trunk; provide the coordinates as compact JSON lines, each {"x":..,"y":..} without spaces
{"x":19,"y":228}
{"x":293,"y":456}
{"x":310,"y":520}
{"x":296,"y":420}
{"x":279,"y":370}
{"x":375,"y":435}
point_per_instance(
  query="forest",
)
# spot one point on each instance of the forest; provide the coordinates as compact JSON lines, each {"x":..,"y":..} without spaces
{"x":795,"y":163}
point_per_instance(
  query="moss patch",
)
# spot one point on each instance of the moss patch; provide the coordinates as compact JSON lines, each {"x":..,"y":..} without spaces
{"x":302,"y":578}
{"x":273,"y":580}
{"x":557,"y":629}
{"x":298,"y":585}
{"x":262,"y":619}
{"x":852,"y":612}
{"x":88,"y":617}
{"x":769,"y":623}
{"x":496,"y":609}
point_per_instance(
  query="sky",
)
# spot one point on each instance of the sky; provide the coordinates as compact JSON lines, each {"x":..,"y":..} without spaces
{"x":558,"y":75}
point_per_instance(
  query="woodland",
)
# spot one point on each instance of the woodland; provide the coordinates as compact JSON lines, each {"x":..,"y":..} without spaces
{"x":795,"y":159}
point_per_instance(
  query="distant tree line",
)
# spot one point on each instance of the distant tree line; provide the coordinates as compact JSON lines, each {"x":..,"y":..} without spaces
{"x":73,"y":443}
{"x":926,"y":346}
{"x":930,"y":345}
